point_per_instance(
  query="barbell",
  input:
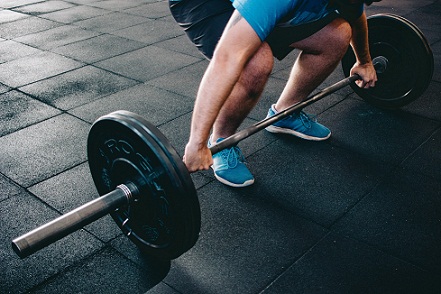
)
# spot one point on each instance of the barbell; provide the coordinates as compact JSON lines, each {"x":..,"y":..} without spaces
{"x":147,"y":189}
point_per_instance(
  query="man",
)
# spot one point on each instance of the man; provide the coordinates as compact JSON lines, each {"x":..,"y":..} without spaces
{"x":240,"y":38}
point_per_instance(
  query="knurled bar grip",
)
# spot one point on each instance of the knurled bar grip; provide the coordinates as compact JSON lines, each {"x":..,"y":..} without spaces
{"x":72,"y":221}
{"x":380,"y":64}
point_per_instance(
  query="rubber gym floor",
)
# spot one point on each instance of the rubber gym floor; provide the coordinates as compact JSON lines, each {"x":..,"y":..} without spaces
{"x":358,"y":213}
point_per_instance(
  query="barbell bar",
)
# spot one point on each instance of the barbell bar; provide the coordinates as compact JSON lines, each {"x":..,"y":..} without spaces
{"x":144,"y":184}
{"x":73,"y":220}
{"x":380,"y":64}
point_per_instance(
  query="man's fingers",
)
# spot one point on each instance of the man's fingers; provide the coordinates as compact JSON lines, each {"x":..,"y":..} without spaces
{"x":192,"y":167}
{"x":365,"y":85}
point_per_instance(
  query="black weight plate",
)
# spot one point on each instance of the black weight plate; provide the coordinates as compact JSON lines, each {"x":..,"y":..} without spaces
{"x":165,"y":219}
{"x":410,"y":61}
{"x":188,"y":206}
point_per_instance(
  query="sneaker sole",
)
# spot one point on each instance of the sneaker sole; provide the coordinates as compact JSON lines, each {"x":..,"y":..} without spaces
{"x":231,"y":184}
{"x":225,"y":182}
{"x":278,"y":130}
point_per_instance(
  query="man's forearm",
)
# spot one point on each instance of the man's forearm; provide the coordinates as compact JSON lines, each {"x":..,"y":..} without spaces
{"x":359,"y":41}
{"x":216,"y":86}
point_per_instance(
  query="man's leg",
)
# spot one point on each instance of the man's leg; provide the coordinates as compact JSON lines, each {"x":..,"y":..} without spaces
{"x":320,"y":54}
{"x":229,"y":164}
{"x":245,"y":94}
{"x":205,"y":32}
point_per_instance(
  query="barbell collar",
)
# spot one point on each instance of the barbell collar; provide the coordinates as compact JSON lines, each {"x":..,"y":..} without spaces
{"x":380,"y":64}
{"x":74,"y":220}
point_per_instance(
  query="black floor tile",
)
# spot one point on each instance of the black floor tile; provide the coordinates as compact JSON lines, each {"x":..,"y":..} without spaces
{"x":187,"y":76}
{"x":44,"y":7}
{"x":74,"y":14}
{"x":316,"y":180}
{"x":147,"y":63}
{"x":244,"y":244}
{"x":427,"y":19}
{"x":400,"y":217}
{"x":4,"y":88}
{"x":408,"y":5}
{"x":26,"y":26}
{"x":10,"y":50}
{"x":428,"y":104}
{"x":341,"y":265}
{"x":436,"y":48}
{"x":103,"y":273}
{"x":162,"y":288}
{"x":151,"y":31}
{"x":56,"y":37}
{"x":110,"y":22}
{"x":77,"y":87}
{"x":155,"y":105}
{"x":385,"y":7}
{"x":427,"y":159}
{"x":20,"y":214}
{"x":388,"y":136}
{"x":116,"y":5}
{"x":34,"y":68}
{"x":99,"y":48}
{"x":181,"y":44}
{"x":152,"y":9}
{"x":44,"y":149}
{"x":19,"y":111}
{"x":8,"y":188}
{"x":9,"y":16}
{"x":159,"y":268}
{"x":16,"y":3}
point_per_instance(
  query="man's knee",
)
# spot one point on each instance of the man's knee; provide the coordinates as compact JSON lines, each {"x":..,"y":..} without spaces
{"x":258,"y":70}
{"x":262,"y":62}
{"x":340,"y":34}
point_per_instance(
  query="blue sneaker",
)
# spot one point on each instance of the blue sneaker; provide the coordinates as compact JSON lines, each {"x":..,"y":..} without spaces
{"x":301,"y":125}
{"x":229,"y":167}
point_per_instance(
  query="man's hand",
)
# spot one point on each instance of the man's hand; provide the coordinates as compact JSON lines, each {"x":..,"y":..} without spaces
{"x":367,"y":73}
{"x":359,"y":42}
{"x":197,"y":158}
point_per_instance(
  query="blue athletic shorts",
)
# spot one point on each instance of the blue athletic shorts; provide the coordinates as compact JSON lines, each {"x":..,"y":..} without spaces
{"x":208,"y":18}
